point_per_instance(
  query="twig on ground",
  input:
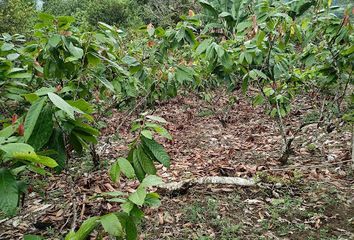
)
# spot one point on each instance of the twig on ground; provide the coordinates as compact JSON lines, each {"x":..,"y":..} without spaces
{"x":83,"y":207}
{"x":73,"y":199}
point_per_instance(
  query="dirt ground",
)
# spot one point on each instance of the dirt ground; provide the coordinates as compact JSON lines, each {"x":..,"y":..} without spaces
{"x":310,"y":198}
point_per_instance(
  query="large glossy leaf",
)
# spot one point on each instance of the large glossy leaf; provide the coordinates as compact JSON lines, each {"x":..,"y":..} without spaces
{"x":8,"y":192}
{"x":156,"y":118}
{"x":32,"y":117}
{"x":62,"y":104}
{"x":13,"y":148}
{"x":157,"y":150}
{"x":126,"y":168}
{"x":160,"y":130}
{"x":151,"y":180}
{"x":114,"y":172}
{"x":43,"y":129}
{"x":56,"y":143}
{"x":22,"y":151}
{"x":139,"y":171}
{"x":112,"y":225}
{"x":86,"y":228}
{"x":131,"y":230}
{"x":146,"y":163}
{"x":32,"y":237}
{"x":138,"y":197}
{"x":8,"y":131}
{"x":76,"y":52}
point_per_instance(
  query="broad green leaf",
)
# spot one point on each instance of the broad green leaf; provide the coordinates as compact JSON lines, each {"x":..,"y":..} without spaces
{"x":26,"y":152}
{"x":8,"y":131}
{"x":8,"y":192}
{"x":152,"y":200}
{"x":85,"y":229}
{"x":13,"y":148}
{"x":112,"y":225}
{"x":31,"y":97}
{"x":156,"y":118}
{"x":146,"y":163}
{"x":268,"y":91}
{"x":248,"y":57}
{"x":7,"y":47}
{"x":147,"y":134}
{"x":32,"y":237}
{"x":138,"y":197}
{"x":139,"y":171}
{"x":151,"y":180}
{"x":32,"y":117}
{"x":106,"y":83}
{"x":42,"y":130}
{"x":61,"y":104}
{"x":54,"y":40}
{"x":20,"y":75}
{"x":130,"y":229}
{"x":203,"y":46}
{"x":160,"y":130}
{"x":184,"y":74}
{"x":126,"y":168}
{"x":12,"y":56}
{"x":33,"y":157}
{"x":114,"y":172}
{"x":76,"y":52}
{"x":127,"y":206}
{"x":157,"y":150}
{"x":47,"y":161}
{"x":82,"y":105}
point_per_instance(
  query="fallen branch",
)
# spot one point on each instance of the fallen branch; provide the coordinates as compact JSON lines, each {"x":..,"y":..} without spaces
{"x":177,"y":188}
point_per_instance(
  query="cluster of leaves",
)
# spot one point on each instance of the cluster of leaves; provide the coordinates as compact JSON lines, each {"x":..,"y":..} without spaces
{"x":45,"y":89}
{"x":16,"y":16}
{"x":280,"y":48}
{"x":144,"y":151}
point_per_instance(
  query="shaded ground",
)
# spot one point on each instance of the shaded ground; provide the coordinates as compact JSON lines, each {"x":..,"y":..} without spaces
{"x":312,"y":198}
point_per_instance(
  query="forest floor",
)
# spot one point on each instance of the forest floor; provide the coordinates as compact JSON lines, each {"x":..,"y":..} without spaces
{"x":310,"y":198}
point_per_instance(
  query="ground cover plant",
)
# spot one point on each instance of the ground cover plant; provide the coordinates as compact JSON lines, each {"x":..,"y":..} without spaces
{"x":232,"y":121}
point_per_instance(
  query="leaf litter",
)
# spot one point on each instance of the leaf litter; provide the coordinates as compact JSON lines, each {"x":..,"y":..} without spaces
{"x":311,"y":198}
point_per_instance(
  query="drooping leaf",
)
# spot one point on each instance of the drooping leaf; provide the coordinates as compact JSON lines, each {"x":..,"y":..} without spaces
{"x":42,"y":130}
{"x":32,"y":237}
{"x":138,"y":197}
{"x":139,"y":171}
{"x":131,"y":229}
{"x":114,"y":172}
{"x":156,"y":118}
{"x":157,"y":150}
{"x":112,"y":225}
{"x":76,"y":52}
{"x":160,"y":130}
{"x":32,"y":117}
{"x":146,"y":133}
{"x":62,"y":104}
{"x":146,"y":163}
{"x":85,"y":229}
{"x":126,"y":168}
{"x":151,"y":180}
{"x":8,"y":192}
